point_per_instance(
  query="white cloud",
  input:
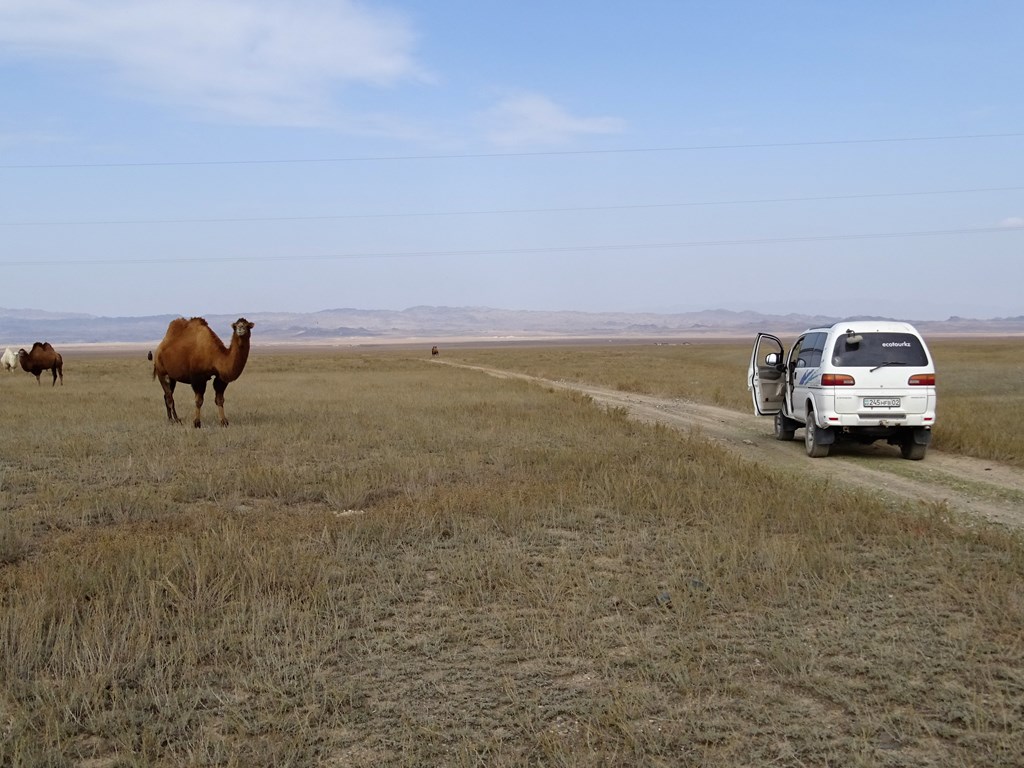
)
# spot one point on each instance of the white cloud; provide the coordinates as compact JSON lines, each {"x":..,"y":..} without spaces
{"x":1012,"y":221}
{"x":532,"y":119}
{"x":250,"y":60}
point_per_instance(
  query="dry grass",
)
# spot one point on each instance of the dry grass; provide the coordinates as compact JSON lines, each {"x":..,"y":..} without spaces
{"x":707,"y":372}
{"x":388,"y":562}
{"x":981,"y":411}
{"x":981,"y":408}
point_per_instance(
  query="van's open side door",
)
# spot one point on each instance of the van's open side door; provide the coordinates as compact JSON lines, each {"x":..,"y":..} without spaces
{"x":767,"y":382}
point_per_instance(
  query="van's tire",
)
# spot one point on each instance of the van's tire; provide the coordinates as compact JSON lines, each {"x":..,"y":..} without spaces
{"x":815,"y":449}
{"x":783,"y":427}
{"x":913,"y":451}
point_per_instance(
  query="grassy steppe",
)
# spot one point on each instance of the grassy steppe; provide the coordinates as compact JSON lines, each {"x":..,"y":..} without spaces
{"x":981,"y":409}
{"x":388,"y":562}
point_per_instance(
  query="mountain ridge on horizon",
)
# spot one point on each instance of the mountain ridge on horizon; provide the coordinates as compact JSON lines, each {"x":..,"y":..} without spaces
{"x":27,"y":325}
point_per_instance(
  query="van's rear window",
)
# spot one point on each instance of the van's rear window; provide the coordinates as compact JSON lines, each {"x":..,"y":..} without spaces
{"x":871,"y":349}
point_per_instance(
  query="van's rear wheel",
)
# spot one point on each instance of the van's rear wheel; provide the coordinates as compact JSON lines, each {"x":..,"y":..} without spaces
{"x":913,"y":451}
{"x":815,"y":449}
{"x":783,"y":427}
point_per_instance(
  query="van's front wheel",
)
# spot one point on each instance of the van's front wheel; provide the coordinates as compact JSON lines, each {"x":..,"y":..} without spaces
{"x":783,"y":427}
{"x":815,"y":449}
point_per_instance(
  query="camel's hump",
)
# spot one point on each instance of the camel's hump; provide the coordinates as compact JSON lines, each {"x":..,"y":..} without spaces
{"x":182,"y":322}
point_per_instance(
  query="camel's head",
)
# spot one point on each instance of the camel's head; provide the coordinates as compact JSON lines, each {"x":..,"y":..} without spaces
{"x":22,"y":354}
{"x":241,"y":327}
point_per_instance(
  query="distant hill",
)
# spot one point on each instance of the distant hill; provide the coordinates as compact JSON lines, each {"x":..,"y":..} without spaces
{"x":20,"y":327}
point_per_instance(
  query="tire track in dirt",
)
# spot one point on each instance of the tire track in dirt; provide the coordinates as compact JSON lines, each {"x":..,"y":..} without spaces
{"x":986,"y":489}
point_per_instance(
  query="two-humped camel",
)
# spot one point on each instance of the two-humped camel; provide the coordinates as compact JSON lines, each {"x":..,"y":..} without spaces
{"x":42,"y":357}
{"x":190,"y":352}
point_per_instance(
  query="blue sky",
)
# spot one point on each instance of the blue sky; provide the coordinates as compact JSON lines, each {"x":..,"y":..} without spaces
{"x":238,"y":156}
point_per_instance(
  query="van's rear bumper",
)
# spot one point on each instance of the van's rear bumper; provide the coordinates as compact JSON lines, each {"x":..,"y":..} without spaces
{"x":880,"y":420}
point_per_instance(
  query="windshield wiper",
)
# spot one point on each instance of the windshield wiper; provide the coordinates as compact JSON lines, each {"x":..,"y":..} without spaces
{"x":887,"y":363}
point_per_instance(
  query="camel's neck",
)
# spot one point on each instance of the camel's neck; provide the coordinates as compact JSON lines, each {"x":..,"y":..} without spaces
{"x":238,"y":353}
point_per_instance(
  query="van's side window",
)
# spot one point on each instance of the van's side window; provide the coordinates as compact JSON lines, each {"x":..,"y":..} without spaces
{"x":813,"y":348}
{"x":796,"y":357}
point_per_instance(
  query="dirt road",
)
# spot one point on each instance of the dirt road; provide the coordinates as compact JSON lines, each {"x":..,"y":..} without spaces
{"x":983,"y":488}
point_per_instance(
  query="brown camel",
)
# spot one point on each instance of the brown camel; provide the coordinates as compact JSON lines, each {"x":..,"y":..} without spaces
{"x":192,"y":353}
{"x":43,"y":357}
{"x":434,"y":351}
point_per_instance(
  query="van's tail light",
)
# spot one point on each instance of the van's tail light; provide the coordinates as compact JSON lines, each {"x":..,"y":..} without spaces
{"x":922,"y":380}
{"x":836,"y":380}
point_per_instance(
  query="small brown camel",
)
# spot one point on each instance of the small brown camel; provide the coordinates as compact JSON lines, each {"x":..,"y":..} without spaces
{"x":434,"y":351}
{"x":43,"y":357}
{"x":191,"y":352}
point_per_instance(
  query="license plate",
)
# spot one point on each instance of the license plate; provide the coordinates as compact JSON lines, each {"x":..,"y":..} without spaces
{"x":881,"y":402}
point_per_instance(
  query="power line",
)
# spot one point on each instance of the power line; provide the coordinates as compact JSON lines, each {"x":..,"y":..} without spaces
{"x":571,"y":209}
{"x":512,"y":251}
{"x":547,"y":153}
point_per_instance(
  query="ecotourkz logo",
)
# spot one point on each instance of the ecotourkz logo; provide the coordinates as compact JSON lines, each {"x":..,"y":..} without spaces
{"x":896,"y":344}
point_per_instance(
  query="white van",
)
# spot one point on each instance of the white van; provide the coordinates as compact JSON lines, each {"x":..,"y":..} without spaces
{"x":859,"y":380}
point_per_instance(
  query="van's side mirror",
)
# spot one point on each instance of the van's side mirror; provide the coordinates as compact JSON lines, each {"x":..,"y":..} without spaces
{"x":772,"y":359}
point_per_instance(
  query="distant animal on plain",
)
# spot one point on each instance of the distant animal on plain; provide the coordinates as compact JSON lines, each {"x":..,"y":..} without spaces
{"x":149,"y":355}
{"x":9,"y":360}
{"x":41,"y":358}
{"x":434,"y":352}
{"x":192,"y":353}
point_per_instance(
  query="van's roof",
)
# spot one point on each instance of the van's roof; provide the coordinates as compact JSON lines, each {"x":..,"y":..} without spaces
{"x":869,"y":326}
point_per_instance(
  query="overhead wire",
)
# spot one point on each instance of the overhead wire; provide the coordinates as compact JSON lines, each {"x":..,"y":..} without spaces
{"x":509,"y":251}
{"x":524,"y":251}
{"x":503,"y":211}
{"x":538,"y":153}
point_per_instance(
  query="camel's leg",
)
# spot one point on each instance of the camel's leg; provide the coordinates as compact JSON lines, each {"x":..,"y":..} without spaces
{"x":168,"y":387}
{"x":54,"y":372}
{"x":218,"y":387}
{"x":60,"y":372}
{"x":200,"y":389}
